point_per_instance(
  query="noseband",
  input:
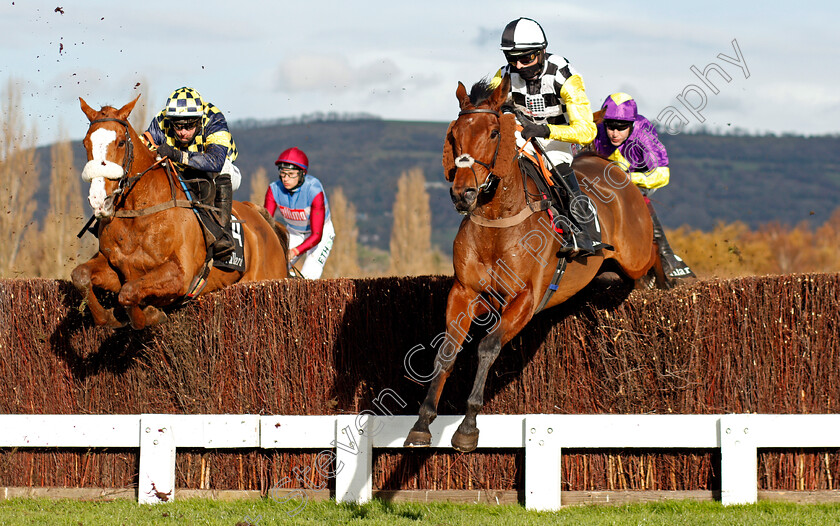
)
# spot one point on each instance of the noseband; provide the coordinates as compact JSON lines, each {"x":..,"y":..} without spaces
{"x":491,"y":178}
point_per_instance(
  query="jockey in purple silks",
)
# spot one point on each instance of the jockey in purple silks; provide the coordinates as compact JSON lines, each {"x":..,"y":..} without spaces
{"x":631,"y":141}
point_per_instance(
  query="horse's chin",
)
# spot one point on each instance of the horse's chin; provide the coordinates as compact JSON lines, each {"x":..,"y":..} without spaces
{"x":464,"y":209}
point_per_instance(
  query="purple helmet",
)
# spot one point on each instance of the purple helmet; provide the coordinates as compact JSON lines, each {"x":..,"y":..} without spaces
{"x":620,"y":107}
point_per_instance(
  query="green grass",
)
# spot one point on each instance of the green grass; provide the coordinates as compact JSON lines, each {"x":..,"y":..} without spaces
{"x":267,"y":512}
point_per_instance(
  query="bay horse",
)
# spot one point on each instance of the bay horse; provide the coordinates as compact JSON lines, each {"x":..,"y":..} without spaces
{"x":506,"y":252}
{"x":151,"y":246}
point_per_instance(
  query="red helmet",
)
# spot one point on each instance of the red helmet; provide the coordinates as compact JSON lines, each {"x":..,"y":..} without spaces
{"x":294,"y":156}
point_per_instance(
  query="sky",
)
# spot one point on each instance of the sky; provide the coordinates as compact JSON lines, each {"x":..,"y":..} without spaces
{"x":774,"y":67}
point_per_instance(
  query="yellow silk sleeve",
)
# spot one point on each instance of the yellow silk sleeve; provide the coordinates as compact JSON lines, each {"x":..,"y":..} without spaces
{"x":581,"y":129}
{"x":221,"y":138}
{"x":653,"y":179}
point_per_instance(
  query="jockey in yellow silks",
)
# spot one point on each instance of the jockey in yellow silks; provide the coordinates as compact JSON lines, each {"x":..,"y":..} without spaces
{"x":547,"y":90}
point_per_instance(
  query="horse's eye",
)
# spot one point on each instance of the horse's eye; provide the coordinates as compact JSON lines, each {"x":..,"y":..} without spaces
{"x":494,"y":134}
{"x":121,"y":143}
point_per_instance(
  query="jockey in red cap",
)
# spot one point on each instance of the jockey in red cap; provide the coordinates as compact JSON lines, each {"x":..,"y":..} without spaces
{"x":300,"y":200}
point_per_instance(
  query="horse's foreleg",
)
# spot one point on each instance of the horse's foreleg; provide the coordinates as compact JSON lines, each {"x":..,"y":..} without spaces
{"x":466,"y":436}
{"x":514,"y":318}
{"x":457,"y":303}
{"x":97,"y":272}
{"x":163,"y":284}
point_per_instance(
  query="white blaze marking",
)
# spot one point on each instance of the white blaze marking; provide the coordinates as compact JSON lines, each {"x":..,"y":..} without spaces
{"x":99,"y":141}
{"x":96,"y":197}
{"x":97,"y":169}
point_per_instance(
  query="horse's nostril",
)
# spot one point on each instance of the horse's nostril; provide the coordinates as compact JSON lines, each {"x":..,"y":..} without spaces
{"x":463,"y":198}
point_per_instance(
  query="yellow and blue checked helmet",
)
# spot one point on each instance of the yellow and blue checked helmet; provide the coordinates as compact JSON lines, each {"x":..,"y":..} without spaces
{"x":184,"y":103}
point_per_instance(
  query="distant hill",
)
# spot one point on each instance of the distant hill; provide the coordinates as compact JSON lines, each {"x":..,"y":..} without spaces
{"x":713,"y":177}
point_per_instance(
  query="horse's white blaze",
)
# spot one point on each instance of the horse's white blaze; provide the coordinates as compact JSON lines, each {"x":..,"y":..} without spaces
{"x":96,"y":197}
{"x":98,"y":169}
{"x":99,"y":141}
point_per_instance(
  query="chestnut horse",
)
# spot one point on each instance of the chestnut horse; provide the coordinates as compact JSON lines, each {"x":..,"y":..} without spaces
{"x":505,"y":252}
{"x":151,"y":246}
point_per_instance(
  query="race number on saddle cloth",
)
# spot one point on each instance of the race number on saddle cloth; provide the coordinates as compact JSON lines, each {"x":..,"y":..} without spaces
{"x":194,"y":135}
{"x":299,"y":199}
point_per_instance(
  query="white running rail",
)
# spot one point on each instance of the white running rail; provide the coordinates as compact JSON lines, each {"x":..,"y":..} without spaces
{"x":351,"y":438}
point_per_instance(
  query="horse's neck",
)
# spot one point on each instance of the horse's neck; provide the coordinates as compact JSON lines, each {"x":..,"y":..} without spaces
{"x":508,"y":198}
{"x":152,"y":187}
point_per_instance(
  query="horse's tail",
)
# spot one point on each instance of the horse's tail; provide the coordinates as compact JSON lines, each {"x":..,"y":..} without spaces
{"x":279,"y":229}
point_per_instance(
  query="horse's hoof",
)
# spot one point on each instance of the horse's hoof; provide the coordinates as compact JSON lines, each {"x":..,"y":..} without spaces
{"x":418,"y":439}
{"x":154,"y":316}
{"x":110,"y":320}
{"x":465,"y":442}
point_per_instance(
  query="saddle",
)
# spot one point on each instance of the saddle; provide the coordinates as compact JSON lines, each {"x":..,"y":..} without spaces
{"x":553,"y":187}
{"x":201,"y":192}
{"x":558,"y":197}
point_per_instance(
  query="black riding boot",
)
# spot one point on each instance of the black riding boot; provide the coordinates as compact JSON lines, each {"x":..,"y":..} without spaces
{"x":672,"y":265}
{"x":223,"y":247}
{"x":587,"y":238}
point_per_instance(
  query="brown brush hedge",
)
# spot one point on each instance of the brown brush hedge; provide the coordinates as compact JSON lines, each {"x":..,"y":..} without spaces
{"x":750,"y":345}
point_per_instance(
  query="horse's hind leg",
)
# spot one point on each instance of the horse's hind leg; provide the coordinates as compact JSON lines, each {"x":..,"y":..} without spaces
{"x":97,"y":272}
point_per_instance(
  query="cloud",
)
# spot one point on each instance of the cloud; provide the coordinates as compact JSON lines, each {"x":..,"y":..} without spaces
{"x":487,"y":37}
{"x":319,"y":73}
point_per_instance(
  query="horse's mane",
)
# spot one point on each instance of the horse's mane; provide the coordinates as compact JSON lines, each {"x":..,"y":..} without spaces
{"x":480,"y":91}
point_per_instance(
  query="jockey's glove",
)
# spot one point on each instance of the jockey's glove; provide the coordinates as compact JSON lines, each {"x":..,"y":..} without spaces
{"x":165,"y":150}
{"x":531,"y":130}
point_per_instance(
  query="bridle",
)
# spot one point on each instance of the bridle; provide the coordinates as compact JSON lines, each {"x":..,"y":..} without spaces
{"x":127,"y":182}
{"x":468,"y":161}
{"x":128,"y":159}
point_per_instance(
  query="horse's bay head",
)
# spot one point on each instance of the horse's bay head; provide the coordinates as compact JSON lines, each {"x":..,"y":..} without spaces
{"x":472,"y":150}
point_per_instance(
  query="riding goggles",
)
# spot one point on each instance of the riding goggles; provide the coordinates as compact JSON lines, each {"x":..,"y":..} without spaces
{"x":522,"y":57}
{"x":617,"y":125}
{"x":288,"y":170}
{"x":185,"y":124}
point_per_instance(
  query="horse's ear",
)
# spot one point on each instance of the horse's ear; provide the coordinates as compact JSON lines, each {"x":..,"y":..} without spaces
{"x":598,"y":116}
{"x":89,"y":112}
{"x":463,"y":96}
{"x":500,"y":94}
{"x":124,"y":112}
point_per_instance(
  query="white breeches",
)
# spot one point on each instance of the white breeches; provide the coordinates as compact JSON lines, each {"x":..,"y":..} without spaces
{"x":558,"y":152}
{"x":316,"y":257}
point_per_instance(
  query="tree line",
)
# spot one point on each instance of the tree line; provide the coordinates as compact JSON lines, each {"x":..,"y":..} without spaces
{"x":46,"y":245}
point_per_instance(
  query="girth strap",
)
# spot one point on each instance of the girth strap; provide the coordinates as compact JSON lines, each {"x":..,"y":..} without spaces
{"x":504,"y":222}
{"x":554,"y":285}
